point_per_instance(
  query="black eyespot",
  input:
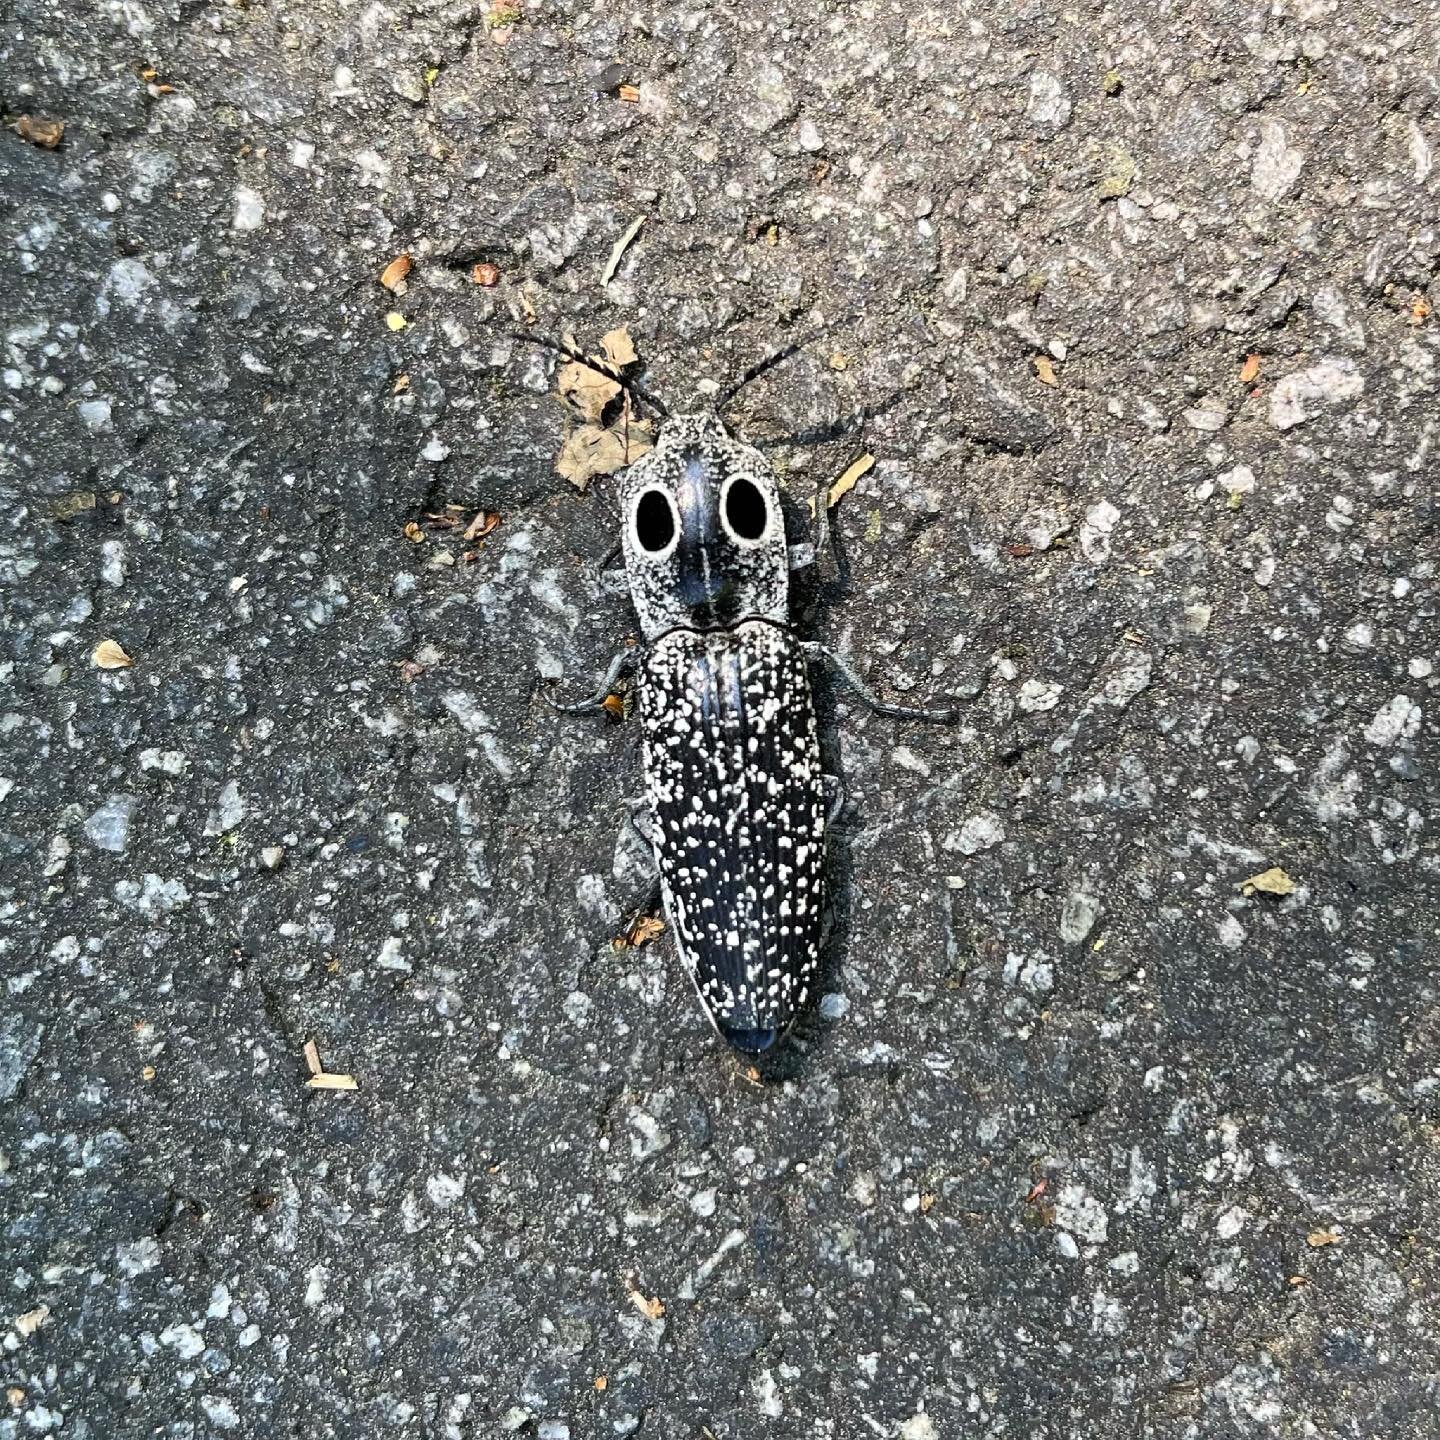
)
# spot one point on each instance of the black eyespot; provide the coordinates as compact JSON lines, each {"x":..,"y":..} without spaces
{"x":745,"y":509}
{"x":654,"y":521}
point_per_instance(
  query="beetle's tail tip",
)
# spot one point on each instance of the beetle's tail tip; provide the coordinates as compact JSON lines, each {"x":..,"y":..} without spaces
{"x":750,"y":1042}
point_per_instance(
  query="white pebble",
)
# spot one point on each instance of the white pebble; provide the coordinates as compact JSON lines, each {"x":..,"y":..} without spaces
{"x":249,"y":209}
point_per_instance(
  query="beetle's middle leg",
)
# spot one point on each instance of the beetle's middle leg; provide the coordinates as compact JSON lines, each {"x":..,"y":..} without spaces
{"x":623,"y":661}
{"x":816,"y":651}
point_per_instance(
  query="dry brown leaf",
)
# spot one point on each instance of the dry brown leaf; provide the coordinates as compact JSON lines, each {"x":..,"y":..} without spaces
{"x":848,"y":479}
{"x":590,"y":451}
{"x":326,"y":1081}
{"x":619,"y":348}
{"x":1250,"y":369}
{"x":483,"y":523}
{"x":589,"y":391}
{"x":1419,"y":310}
{"x":485,"y":274}
{"x":414,"y":533}
{"x":614,"y":706}
{"x":312,"y":1058}
{"x":645,"y":929}
{"x":927,"y":1202}
{"x":601,"y":1382}
{"x":392,"y":277}
{"x":401,"y":385}
{"x":411,"y":671}
{"x":630,"y":94}
{"x":1273,"y":881}
{"x":1318,"y":1239}
{"x":1045,"y":370}
{"x":45,"y":133}
{"x":650,"y":1308}
{"x":108,"y":655}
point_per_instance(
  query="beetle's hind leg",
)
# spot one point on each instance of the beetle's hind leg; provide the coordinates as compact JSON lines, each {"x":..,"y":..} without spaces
{"x":816,"y":651}
{"x":623,"y":662}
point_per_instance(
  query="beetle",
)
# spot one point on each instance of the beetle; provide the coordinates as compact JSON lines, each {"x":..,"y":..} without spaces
{"x":739,"y":802}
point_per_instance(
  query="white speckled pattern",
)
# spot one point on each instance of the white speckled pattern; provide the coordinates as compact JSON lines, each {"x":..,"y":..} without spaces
{"x":734,"y":775}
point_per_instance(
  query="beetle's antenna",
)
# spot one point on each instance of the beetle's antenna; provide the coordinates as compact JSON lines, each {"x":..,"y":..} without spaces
{"x":836,"y":431}
{"x":596,"y":363}
{"x":771,"y":361}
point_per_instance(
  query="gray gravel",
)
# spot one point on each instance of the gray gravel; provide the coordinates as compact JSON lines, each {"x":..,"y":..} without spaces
{"x":1083,"y":1139}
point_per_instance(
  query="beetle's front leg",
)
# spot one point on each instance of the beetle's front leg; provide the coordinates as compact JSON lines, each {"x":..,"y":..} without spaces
{"x":622,"y":663}
{"x":816,"y":651}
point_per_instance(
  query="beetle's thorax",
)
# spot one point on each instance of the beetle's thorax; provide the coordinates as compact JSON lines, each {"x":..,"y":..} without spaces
{"x":703,"y":531}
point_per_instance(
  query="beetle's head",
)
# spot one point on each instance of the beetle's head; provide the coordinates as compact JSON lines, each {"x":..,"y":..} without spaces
{"x":704,"y":534}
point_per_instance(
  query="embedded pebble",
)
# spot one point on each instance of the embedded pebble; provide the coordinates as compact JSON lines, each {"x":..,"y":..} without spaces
{"x":108,"y":828}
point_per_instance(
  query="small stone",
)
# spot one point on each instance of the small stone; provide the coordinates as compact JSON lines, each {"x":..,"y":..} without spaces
{"x":435,"y":452}
{"x":1299,"y":396}
{"x":1276,"y":166}
{"x":1239,"y":481}
{"x":1049,"y":106}
{"x":810,"y":138}
{"x":229,"y":810}
{"x":1037,"y":696}
{"x":272,"y":856}
{"x":249,"y":209}
{"x":979,"y":832}
{"x":1201,"y":417}
{"x":108,"y":828}
{"x":95,"y":414}
{"x":1078,"y":916}
{"x":1095,"y":531}
{"x":1398,"y":720}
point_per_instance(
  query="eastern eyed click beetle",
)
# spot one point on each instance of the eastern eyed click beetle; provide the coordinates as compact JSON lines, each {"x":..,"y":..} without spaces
{"x":739,"y":803}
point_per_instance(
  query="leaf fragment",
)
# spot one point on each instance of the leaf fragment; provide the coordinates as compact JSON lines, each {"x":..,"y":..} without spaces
{"x":1273,"y":881}
{"x":630,"y":94}
{"x":652,"y":1308}
{"x":590,"y":451}
{"x":589,"y":391}
{"x":617,"y":252}
{"x":483,"y":523}
{"x":312,"y":1058}
{"x":109,"y":655}
{"x":485,"y":274}
{"x":70,"y":507}
{"x":327,"y":1081}
{"x":392,"y":277}
{"x":47,"y":134}
{"x":1319,"y":1239}
{"x":414,"y":533}
{"x":1045,"y":370}
{"x":849,"y":478}
{"x":1250,"y":369}
{"x":614,"y":706}
{"x":619,"y":348}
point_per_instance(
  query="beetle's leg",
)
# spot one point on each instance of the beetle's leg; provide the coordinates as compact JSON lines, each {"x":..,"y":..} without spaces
{"x":817,"y":651}
{"x":618,"y":666}
{"x":642,"y":821}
